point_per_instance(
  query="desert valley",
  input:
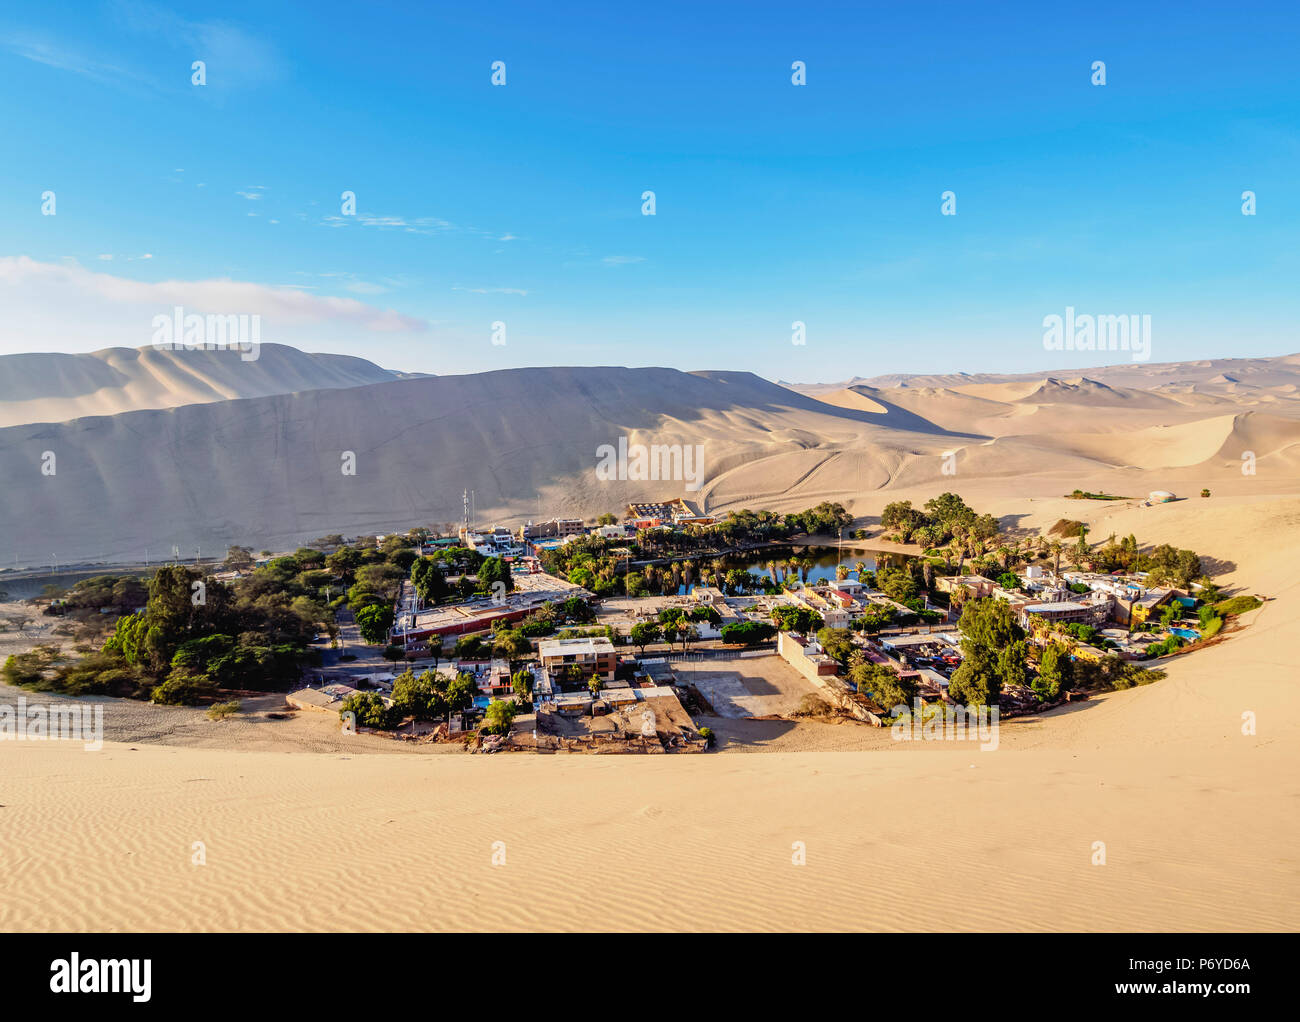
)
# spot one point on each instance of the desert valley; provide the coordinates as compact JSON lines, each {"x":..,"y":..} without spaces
{"x":1167,"y":804}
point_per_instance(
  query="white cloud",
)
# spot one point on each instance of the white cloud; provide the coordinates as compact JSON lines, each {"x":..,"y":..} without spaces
{"x":66,"y":307}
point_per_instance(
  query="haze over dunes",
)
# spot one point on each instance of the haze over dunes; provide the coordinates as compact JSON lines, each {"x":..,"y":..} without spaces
{"x":259,"y":462}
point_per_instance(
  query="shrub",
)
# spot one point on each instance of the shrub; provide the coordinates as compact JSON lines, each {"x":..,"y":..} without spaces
{"x":1237,"y":605}
{"x":220,"y":711}
{"x":747,"y":633}
{"x":369,"y":709}
{"x":710,"y":739}
{"x":183,"y":687}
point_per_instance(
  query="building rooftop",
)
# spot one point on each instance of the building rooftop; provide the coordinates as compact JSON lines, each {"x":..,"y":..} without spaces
{"x":566,"y":647}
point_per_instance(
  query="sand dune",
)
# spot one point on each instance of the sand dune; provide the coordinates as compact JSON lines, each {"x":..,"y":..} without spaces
{"x":1139,"y":375}
{"x":50,"y":387}
{"x":268,"y":471}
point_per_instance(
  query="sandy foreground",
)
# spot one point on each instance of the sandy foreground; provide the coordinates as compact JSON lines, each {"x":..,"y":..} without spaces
{"x":1199,"y":821}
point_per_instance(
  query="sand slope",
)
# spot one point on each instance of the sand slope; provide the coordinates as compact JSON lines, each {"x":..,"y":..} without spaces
{"x":49,"y":387}
{"x":267,"y":471}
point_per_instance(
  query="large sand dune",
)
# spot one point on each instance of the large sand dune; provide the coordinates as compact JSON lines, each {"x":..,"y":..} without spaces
{"x":267,"y":471}
{"x":50,"y":387}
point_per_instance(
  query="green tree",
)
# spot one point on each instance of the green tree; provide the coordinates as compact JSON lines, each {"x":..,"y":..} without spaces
{"x":492,"y":571}
{"x":1054,"y":674}
{"x":416,"y":696}
{"x":993,"y":652}
{"x":183,"y":686}
{"x":369,"y":709}
{"x":373,"y":622}
{"x":837,"y":642}
{"x":460,"y":693}
{"x":643,"y":634}
{"x":499,"y":717}
{"x":886,"y":687}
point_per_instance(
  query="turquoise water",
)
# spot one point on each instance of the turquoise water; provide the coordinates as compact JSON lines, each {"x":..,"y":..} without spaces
{"x":1186,"y":633}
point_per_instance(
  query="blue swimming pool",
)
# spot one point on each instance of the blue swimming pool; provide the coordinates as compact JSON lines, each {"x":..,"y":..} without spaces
{"x":1186,"y":633}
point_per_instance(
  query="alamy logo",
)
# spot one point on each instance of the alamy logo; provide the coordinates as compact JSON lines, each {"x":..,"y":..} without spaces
{"x":69,"y":722}
{"x":936,"y":723}
{"x":641,"y":462}
{"x":1098,"y":333}
{"x":179,"y":331}
{"x":102,"y":976}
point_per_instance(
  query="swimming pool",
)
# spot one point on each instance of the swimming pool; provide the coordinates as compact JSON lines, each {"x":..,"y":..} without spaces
{"x":1186,"y":633}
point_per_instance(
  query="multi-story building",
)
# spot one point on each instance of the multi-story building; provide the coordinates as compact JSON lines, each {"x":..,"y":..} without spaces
{"x":591,"y":656}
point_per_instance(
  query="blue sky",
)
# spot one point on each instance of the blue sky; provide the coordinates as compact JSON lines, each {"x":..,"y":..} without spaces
{"x":775,"y":203}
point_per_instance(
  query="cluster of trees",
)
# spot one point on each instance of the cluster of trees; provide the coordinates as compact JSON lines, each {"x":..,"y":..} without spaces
{"x":746,"y":526}
{"x":430,"y":696}
{"x":826,"y":519}
{"x":1058,"y":674}
{"x":944,"y":519}
{"x":195,"y":635}
{"x":747,"y":633}
{"x":995,"y":658}
{"x":993,"y":651}
{"x":476,"y":575}
{"x":120,"y":594}
{"x":674,"y":624}
{"x":882,"y":684}
{"x":797,"y":619}
{"x":1165,"y":564}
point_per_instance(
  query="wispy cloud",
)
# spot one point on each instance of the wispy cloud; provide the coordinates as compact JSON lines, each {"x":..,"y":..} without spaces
{"x":235,"y":58}
{"x":62,"y":305}
{"x":414,"y":225}
{"x":69,"y":58}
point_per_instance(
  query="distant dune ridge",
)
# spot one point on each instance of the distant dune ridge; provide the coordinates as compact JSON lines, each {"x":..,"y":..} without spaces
{"x":198,"y":449}
{"x":50,"y":387}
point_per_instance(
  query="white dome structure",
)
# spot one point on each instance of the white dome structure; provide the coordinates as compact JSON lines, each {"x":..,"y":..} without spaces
{"x":1160,"y":496}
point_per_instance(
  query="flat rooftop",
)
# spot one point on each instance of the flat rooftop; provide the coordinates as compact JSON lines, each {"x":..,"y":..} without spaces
{"x":566,"y":647}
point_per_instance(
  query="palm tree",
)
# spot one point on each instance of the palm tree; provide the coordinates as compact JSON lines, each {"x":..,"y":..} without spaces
{"x":861,"y":569}
{"x":771,"y":570}
{"x":1055,"y":548}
